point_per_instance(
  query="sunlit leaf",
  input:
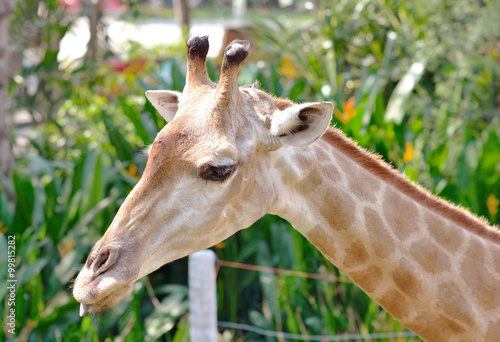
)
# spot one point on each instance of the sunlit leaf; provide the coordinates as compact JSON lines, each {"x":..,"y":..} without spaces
{"x":395,"y":107}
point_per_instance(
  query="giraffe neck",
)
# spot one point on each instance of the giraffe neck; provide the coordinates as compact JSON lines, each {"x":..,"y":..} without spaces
{"x":433,"y":266}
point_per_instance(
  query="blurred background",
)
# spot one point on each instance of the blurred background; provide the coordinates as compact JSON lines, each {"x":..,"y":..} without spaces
{"x":417,"y":82}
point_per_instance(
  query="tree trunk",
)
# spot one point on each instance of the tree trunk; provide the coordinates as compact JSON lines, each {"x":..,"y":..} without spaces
{"x":181,"y":12}
{"x":273,"y":3}
{"x":93,"y":46}
{"x":239,"y":8}
{"x":6,"y":158}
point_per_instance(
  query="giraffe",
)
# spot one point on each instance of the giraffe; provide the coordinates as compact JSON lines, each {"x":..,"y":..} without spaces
{"x":231,"y":154}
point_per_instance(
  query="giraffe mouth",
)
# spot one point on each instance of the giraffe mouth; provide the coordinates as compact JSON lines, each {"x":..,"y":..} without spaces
{"x":106,"y":278}
{"x":106,"y":302}
{"x":97,"y":292}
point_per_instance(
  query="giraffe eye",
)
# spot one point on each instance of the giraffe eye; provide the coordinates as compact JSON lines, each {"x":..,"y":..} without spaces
{"x":217,"y":173}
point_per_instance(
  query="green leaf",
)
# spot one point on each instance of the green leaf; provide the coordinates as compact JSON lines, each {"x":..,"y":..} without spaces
{"x":258,"y":319}
{"x":437,"y":158}
{"x":63,"y":272}
{"x":21,"y":315}
{"x":178,"y":78}
{"x":58,"y":305}
{"x":123,"y":148}
{"x":5,"y":211}
{"x":395,"y":107}
{"x":150,"y":127}
{"x":92,"y":186}
{"x":297,"y":89}
{"x":212,"y":72}
{"x":182,"y":333}
{"x":467,"y":164}
{"x":164,"y":317}
{"x":490,"y":157}
{"x":135,"y":117}
{"x":28,"y":271}
{"x":3,"y":265}
{"x":49,"y":61}
{"x":25,"y":201}
{"x":37,"y":300}
{"x":70,"y":214}
{"x":39,"y":206}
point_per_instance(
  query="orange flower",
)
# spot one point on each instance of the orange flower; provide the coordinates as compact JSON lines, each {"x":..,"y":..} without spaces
{"x":132,"y":171}
{"x":348,"y":111}
{"x":492,"y":204}
{"x":66,"y":247}
{"x":408,"y":152}
{"x":288,"y":69}
{"x":220,"y":245}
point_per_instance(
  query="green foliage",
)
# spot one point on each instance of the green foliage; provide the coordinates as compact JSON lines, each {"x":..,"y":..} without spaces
{"x":416,"y":83}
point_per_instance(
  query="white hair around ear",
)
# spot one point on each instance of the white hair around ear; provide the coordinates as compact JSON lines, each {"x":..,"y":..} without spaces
{"x":165,"y":102}
{"x":301,"y":125}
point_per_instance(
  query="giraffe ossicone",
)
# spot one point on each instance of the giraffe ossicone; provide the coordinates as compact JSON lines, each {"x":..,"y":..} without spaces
{"x":231,"y":154}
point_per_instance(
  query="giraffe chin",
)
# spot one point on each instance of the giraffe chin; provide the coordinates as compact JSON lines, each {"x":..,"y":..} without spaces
{"x":99,"y":293}
{"x":107,"y":302}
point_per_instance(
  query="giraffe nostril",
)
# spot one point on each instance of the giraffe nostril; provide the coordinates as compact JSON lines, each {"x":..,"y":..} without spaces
{"x":103,"y":257}
{"x":104,"y":260}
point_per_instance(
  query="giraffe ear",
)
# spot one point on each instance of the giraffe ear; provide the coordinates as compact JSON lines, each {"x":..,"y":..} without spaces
{"x":302,"y":124}
{"x":165,"y":102}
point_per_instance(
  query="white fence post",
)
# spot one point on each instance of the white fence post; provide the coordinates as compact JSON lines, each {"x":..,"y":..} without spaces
{"x":202,"y":296}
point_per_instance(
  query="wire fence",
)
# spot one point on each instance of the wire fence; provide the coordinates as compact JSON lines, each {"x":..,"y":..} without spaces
{"x":327,"y":277}
{"x":342,"y":337}
{"x":290,"y":336}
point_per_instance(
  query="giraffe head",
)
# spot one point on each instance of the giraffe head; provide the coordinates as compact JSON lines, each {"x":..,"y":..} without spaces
{"x":207,"y":176}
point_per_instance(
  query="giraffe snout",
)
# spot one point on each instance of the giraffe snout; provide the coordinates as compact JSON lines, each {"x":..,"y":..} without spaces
{"x":105,"y":280}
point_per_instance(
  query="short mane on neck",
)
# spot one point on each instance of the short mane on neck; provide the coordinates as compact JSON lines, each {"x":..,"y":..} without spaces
{"x":374,"y":164}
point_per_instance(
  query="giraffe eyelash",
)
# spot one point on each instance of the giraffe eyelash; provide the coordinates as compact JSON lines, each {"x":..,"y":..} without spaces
{"x":216,"y":173}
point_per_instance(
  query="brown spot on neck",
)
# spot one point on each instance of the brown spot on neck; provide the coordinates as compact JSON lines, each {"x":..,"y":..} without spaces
{"x":443,"y":233}
{"x":481,"y":283}
{"x":365,"y":186}
{"x":310,"y":183}
{"x":356,"y":255}
{"x":436,"y":328}
{"x":369,"y":278}
{"x":493,"y":333}
{"x":401,"y":213}
{"x":323,"y":241}
{"x":396,"y":303}
{"x":429,"y":256}
{"x":453,"y":303}
{"x":406,"y":281}
{"x":380,"y":239}
{"x":338,"y":209}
